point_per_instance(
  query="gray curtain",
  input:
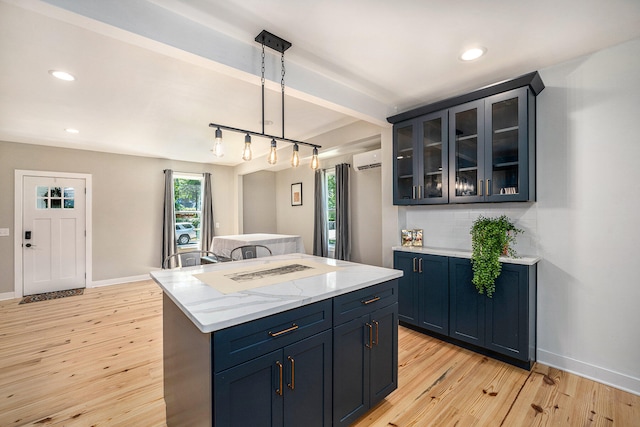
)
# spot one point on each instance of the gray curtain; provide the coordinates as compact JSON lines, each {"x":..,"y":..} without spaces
{"x":320,"y":238}
{"x":343,"y":215}
{"x":206,"y":223}
{"x":169,"y":245}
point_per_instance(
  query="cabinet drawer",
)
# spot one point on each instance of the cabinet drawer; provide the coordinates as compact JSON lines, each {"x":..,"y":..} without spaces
{"x":240,"y":343}
{"x":358,"y":303}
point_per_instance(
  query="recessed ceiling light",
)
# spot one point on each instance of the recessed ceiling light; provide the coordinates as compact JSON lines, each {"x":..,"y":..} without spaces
{"x":72,"y":130}
{"x":474,"y":53}
{"x":62,"y":75}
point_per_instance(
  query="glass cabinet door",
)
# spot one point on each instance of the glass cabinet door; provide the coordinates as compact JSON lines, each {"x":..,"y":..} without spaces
{"x":466,"y":158}
{"x":506,"y":146}
{"x":433,"y":186}
{"x":405,"y":187}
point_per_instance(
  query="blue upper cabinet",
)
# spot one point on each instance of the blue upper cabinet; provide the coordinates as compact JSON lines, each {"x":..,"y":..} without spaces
{"x":420,"y":160}
{"x":478,"y":147}
{"x":492,"y":149}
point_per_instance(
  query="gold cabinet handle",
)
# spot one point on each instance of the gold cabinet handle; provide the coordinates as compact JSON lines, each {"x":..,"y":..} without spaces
{"x":284,"y":331}
{"x":414,"y":265}
{"x":279,"y":390}
{"x":419,"y":191}
{"x":375,"y":322}
{"x":374,"y":299}
{"x":419,"y":265}
{"x":292,"y":385}
{"x":488,"y":187}
{"x":480,"y":186}
{"x":370,"y":345}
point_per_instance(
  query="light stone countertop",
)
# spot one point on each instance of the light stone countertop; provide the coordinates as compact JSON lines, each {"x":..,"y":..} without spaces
{"x":211,"y":310}
{"x":459,"y":253}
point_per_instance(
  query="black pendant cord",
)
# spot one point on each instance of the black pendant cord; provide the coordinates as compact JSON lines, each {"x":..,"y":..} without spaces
{"x":282,"y":85}
{"x":262,"y":81}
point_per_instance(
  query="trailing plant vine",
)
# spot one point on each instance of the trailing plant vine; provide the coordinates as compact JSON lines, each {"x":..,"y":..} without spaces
{"x":489,"y":239}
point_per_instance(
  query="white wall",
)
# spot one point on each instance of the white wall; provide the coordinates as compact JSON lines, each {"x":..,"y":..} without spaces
{"x":295,"y":219}
{"x":588,"y":205}
{"x":127,"y":205}
{"x":259,"y":203}
{"x":585,"y":222}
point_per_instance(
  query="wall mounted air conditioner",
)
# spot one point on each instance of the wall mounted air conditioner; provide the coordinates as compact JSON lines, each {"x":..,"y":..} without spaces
{"x":368,"y":160}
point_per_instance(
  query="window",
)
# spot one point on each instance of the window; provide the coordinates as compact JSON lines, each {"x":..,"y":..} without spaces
{"x":330,"y":203}
{"x":55,"y":197}
{"x":187,"y":193}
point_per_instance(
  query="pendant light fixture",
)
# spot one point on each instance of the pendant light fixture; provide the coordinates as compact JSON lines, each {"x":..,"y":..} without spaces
{"x":273,"y":157}
{"x":218,"y":148}
{"x":246,"y":152}
{"x":295,"y":157}
{"x":265,"y":38}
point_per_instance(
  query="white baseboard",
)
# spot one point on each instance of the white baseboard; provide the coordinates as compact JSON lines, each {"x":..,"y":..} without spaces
{"x":117,"y":281}
{"x":94,"y":284}
{"x":7,"y":295}
{"x":592,"y":372}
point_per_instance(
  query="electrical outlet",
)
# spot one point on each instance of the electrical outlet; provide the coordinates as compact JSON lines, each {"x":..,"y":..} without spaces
{"x":4,"y":231}
{"x":217,"y":225}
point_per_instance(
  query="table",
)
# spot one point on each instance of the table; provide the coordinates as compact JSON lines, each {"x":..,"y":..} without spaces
{"x":280,"y":244}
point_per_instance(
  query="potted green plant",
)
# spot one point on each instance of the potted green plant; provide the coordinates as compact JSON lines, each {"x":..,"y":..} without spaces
{"x":490,"y":238}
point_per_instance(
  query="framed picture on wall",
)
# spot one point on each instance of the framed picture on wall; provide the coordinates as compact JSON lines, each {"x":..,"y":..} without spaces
{"x":296,"y":194}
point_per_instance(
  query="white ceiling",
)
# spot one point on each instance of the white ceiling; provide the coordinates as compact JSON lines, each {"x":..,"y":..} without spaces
{"x":151,"y":74}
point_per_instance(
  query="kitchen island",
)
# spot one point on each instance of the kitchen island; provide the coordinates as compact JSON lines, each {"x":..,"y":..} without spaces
{"x":283,"y":340}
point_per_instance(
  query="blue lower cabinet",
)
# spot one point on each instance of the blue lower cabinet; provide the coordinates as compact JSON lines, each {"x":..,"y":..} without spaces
{"x":365,"y":363}
{"x":288,"y":387}
{"x":438,"y":292}
{"x":466,"y":308}
{"x":434,"y":294}
{"x":408,"y":286}
{"x":246,"y":395}
{"x":423,"y":295}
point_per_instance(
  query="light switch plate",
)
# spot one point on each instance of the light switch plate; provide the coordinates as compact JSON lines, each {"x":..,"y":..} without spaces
{"x":4,"y":231}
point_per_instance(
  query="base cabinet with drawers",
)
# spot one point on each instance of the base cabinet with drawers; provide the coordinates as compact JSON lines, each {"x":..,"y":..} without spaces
{"x":436,"y":295}
{"x":322,"y":364}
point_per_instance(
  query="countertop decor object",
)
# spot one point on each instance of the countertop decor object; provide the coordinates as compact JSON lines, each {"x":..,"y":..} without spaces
{"x":490,"y":238}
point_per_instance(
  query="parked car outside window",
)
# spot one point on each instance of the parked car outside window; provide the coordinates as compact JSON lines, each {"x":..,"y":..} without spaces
{"x":184,"y":233}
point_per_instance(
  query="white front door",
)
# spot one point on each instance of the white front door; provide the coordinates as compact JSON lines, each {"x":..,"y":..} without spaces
{"x":53,"y":235}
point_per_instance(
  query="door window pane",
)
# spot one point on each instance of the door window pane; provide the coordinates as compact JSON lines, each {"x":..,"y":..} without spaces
{"x":55,"y":197}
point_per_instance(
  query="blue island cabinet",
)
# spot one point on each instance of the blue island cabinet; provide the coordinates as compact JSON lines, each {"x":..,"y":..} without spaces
{"x":365,"y":350}
{"x":299,"y":367}
{"x":288,"y":387}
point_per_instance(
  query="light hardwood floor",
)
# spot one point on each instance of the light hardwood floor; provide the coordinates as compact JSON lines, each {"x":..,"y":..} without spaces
{"x":96,"y":360}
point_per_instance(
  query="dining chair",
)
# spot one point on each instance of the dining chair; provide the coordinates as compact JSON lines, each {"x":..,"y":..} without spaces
{"x":191,"y":258}
{"x":249,"y":251}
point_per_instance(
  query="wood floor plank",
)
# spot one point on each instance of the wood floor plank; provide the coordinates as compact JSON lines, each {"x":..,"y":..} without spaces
{"x":96,"y":360}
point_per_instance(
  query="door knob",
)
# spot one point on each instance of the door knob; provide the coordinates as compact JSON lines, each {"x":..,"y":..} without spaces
{"x":28,"y":245}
